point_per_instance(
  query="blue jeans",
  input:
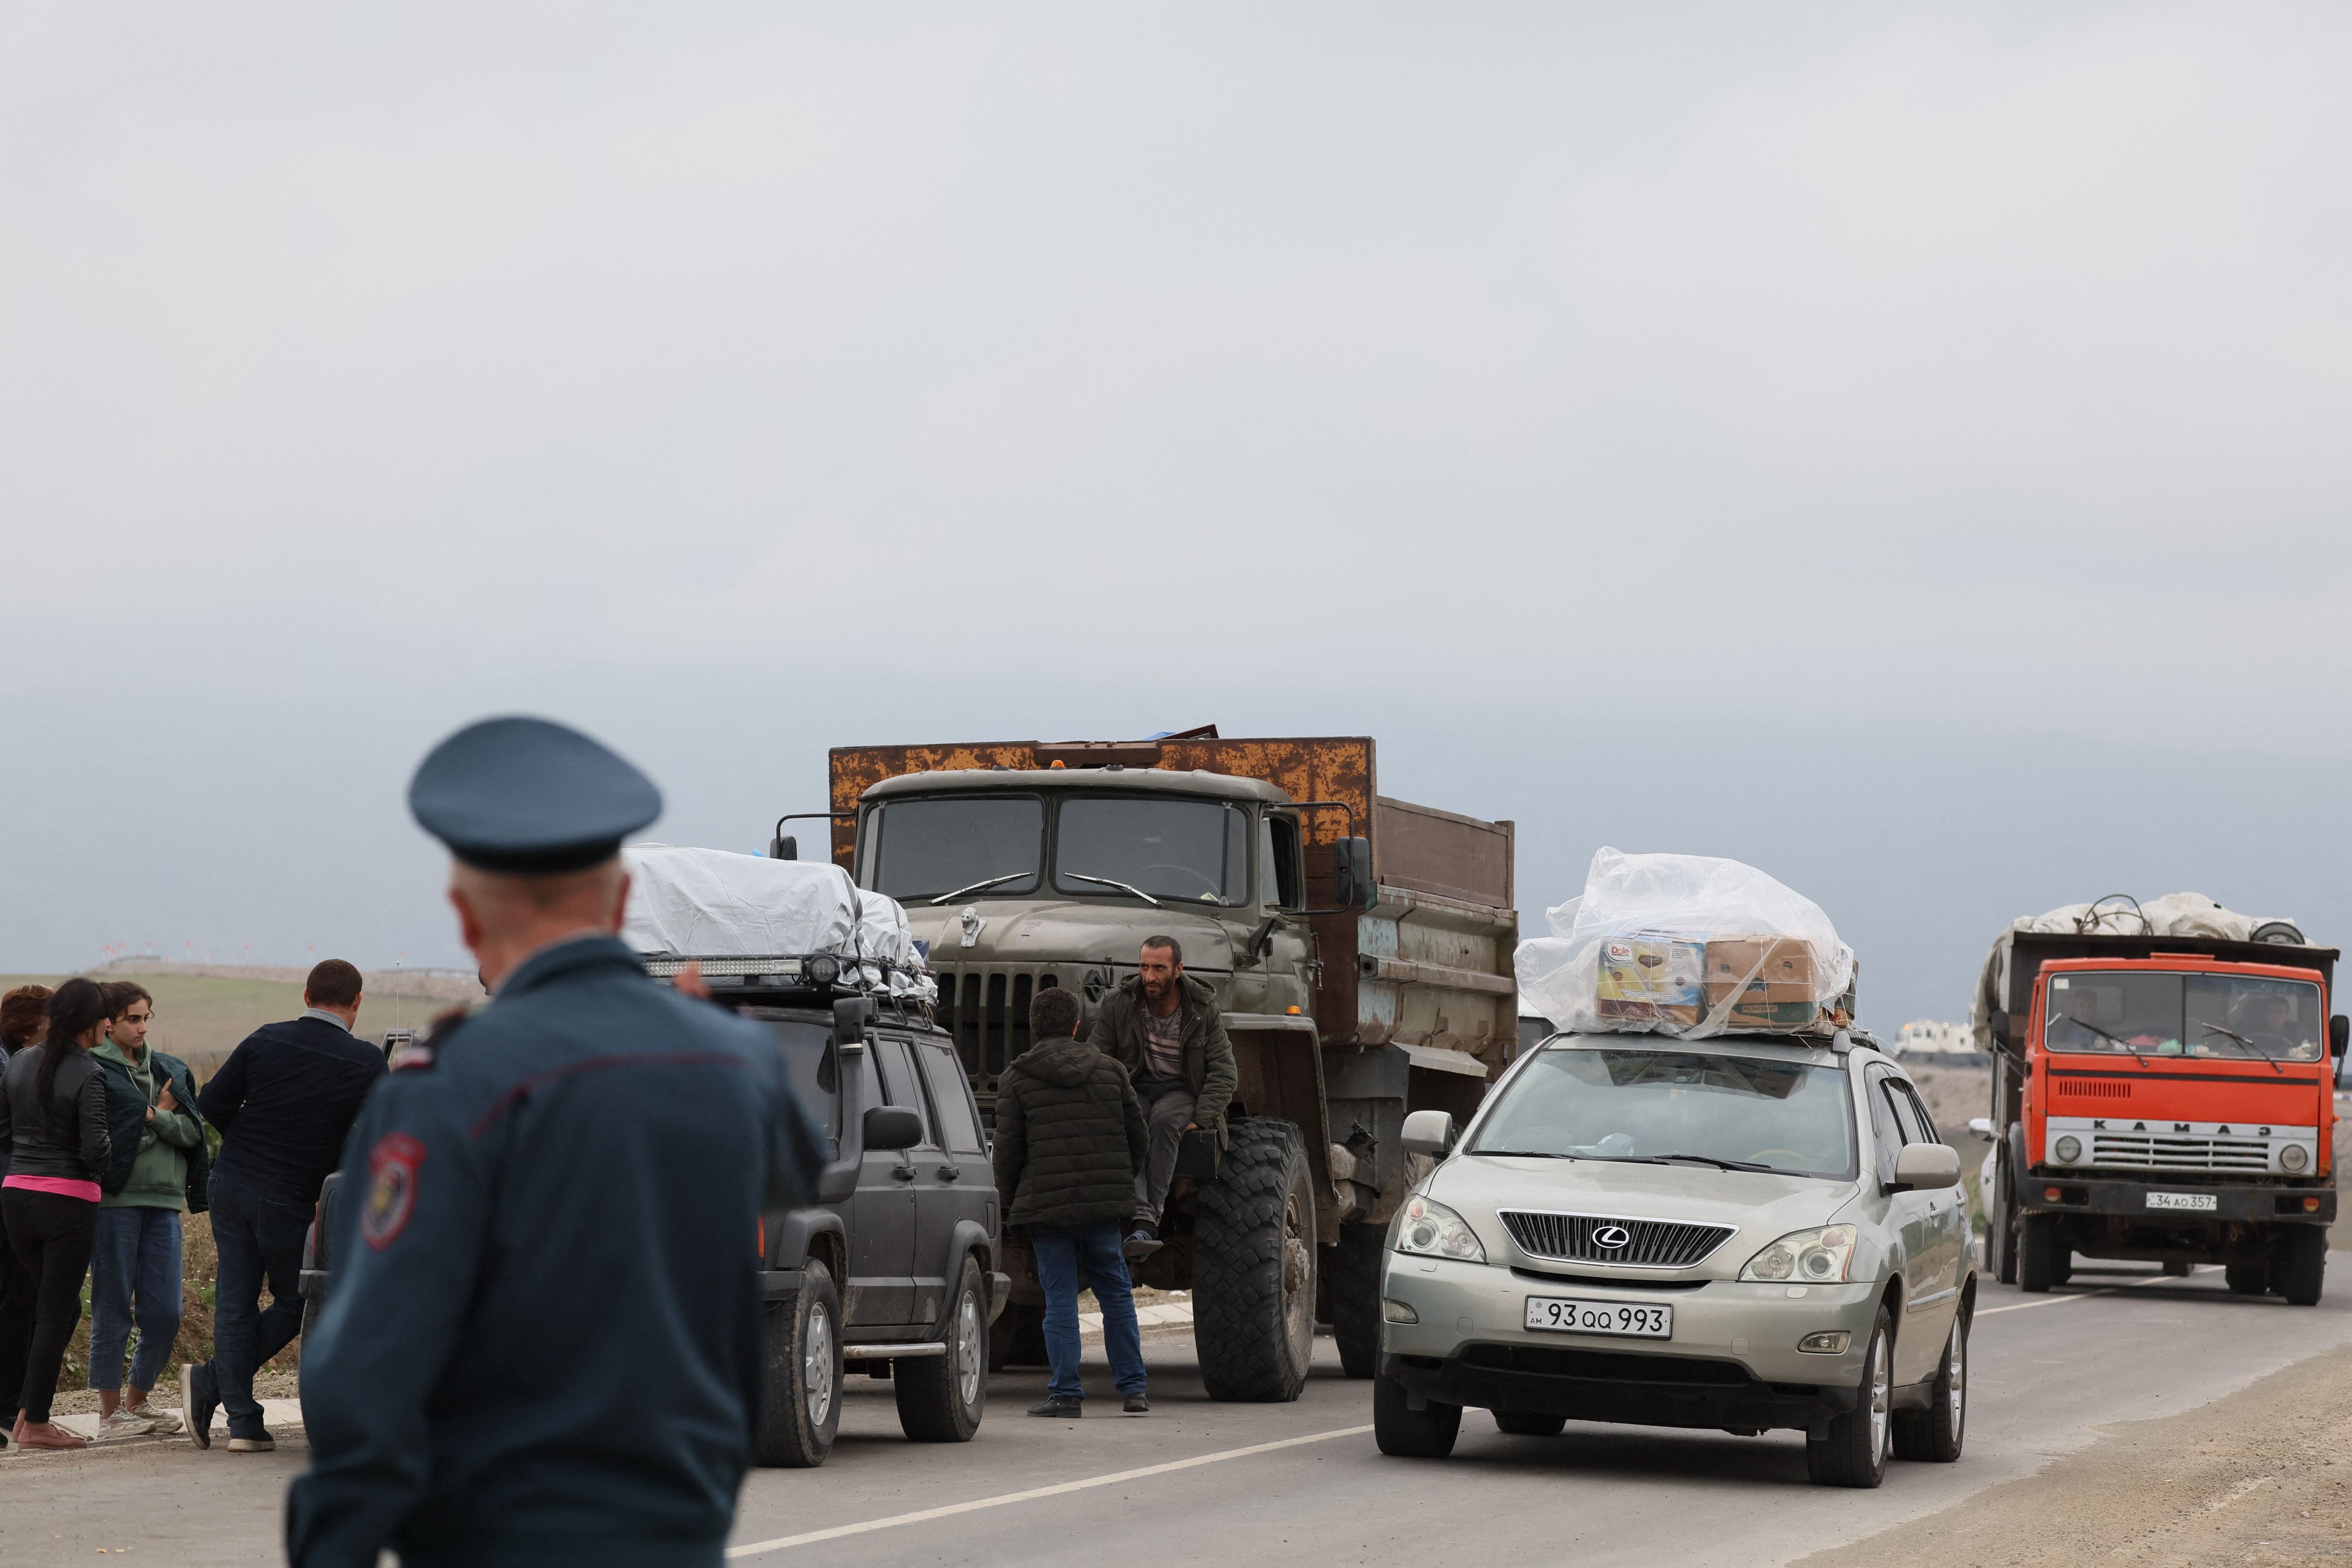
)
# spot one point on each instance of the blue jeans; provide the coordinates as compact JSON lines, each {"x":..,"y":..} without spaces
{"x":1062,"y":1253}
{"x":134,"y":1270}
{"x":258,"y":1239}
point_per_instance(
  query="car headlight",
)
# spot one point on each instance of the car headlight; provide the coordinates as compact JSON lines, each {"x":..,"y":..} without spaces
{"x":2068,"y":1149}
{"x":1807,"y":1256}
{"x":1432,"y":1230}
{"x":2293,"y":1157}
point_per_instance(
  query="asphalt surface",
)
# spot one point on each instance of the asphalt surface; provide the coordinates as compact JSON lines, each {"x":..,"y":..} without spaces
{"x":1196,"y":1481}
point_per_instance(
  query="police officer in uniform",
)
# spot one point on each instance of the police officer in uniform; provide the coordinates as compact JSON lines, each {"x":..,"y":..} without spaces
{"x":542,"y":1344}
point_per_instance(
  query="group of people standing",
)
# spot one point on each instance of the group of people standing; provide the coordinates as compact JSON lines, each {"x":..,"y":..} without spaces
{"x":104,"y":1146}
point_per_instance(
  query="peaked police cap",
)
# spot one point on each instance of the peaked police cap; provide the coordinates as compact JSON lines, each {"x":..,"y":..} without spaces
{"x":529,"y":797}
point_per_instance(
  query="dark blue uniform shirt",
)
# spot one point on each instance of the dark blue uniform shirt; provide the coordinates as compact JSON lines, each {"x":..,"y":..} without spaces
{"x":543,"y":1340}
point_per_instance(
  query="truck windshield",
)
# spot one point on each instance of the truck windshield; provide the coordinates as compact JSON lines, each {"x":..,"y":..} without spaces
{"x":921,"y":848}
{"x":1191,"y":851}
{"x":1603,"y":1103}
{"x":2149,"y":1012}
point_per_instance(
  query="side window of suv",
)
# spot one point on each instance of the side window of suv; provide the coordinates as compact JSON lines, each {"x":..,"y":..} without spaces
{"x":1887,"y":1131}
{"x":1920,"y":1116}
{"x":898,"y":1085}
{"x":950,"y":1100}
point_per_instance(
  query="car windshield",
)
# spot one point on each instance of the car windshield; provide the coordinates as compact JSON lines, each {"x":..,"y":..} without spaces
{"x":957,"y":843}
{"x":1608,"y":1102}
{"x":1188,"y":851}
{"x":2155,"y":1013}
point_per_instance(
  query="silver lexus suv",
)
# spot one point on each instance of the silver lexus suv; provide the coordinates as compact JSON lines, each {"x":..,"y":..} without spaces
{"x":1745,"y":1232}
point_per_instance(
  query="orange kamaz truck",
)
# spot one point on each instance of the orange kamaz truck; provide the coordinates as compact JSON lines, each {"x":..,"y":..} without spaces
{"x":2168,"y":1098}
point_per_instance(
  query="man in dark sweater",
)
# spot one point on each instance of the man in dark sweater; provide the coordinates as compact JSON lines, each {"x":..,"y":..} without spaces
{"x":1069,"y":1141}
{"x":284,"y":1101}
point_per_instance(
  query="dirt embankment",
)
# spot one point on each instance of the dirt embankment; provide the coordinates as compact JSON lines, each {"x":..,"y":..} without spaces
{"x":2261,"y":1477}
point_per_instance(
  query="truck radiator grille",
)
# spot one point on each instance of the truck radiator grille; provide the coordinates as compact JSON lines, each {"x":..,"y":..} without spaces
{"x":986,"y":1007}
{"x":1648,"y":1244}
{"x":2180,"y":1151}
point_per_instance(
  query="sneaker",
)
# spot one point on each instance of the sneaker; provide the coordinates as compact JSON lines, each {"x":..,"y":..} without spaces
{"x":125,"y":1423}
{"x":199,"y":1397}
{"x":1137,"y":1405}
{"x":259,"y":1443}
{"x":1142,"y":1243}
{"x":161,"y":1422}
{"x":1073,"y":1408}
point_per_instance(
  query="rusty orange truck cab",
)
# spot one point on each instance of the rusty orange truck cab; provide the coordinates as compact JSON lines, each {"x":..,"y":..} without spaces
{"x":2168,"y":1100}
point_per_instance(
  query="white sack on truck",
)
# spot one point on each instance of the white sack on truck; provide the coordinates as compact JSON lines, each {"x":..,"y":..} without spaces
{"x":2175,"y":914}
{"x":1686,"y":945}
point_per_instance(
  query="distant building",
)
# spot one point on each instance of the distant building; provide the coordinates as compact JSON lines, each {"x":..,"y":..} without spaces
{"x":1927,"y":1038}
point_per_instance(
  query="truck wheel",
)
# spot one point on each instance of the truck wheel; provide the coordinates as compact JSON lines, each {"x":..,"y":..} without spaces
{"x":2037,"y":1254}
{"x":1529,"y":1424}
{"x":2299,"y":1274}
{"x":800,"y":1384}
{"x":1254,"y":1267}
{"x":1353,"y":1290}
{"x":2247,"y":1279}
{"x":1017,"y":1338}
{"x":1935,"y":1434}
{"x":1427,"y":1433}
{"x":940,"y":1397}
{"x":1855,"y":1452}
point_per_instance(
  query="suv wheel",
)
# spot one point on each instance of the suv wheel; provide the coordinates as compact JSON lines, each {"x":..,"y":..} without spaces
{"x":1855,"y":1452}
{"x":940,"y":1397}
{"x":1935,"y":1434}
{"x":1254,"y":1267}
{"x":2300,"y":1273}
{"x":1354,"y":1293}
{"x":800,"y":1387}
{"x":1427,"y":1433}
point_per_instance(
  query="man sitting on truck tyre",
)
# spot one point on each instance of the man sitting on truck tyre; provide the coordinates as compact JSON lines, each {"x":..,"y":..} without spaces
{"x":1069,"y":1140}
{"x":1164,"y":1029}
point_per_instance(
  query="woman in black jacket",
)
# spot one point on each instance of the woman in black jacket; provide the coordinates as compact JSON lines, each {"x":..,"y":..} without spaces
{"x":54,"y":1144}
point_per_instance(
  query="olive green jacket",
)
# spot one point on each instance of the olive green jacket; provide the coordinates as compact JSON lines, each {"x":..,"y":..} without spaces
{"x":1208,"y":1060}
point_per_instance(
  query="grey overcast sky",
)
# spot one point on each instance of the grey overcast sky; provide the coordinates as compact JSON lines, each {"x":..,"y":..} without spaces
{"x":1902,"y":447}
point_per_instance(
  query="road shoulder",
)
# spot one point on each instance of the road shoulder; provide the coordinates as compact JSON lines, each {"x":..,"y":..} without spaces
{"x":2260,"y":1477}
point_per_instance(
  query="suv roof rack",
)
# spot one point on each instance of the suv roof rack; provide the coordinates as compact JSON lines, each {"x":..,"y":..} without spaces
{"x":822,"y":975}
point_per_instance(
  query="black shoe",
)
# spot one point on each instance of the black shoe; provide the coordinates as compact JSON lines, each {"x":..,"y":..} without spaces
{"x":199,"y":1397}
{"x":257,"y":1441}
{"x":1073,"y":1408}
{"x":1137,"y":1405}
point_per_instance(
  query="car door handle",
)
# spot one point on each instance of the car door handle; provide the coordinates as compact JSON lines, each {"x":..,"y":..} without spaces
{"x":903,"y":1173}
{"x":951,"y":1172}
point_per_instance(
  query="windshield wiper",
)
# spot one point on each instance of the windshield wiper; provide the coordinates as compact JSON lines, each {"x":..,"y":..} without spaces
{"x":1107,"y":882}
{"x":1528,"y":1154}
{"x":2252,"y":1048}
{"x":976,"y":886}
{"x":2119,"y":1040}
{"x":1664,"y":1159}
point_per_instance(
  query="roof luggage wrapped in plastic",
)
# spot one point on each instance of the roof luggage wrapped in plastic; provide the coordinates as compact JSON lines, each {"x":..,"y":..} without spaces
{"x":1687,"y":946}
{"x":711,"y":903}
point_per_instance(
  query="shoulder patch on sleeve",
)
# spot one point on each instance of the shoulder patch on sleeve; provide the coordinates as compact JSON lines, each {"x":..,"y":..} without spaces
{"x":393,"y":1167}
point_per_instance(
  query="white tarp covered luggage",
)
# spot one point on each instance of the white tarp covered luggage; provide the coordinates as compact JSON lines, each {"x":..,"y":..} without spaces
{"x":1686,"y":945}
{"x":711,"y":903}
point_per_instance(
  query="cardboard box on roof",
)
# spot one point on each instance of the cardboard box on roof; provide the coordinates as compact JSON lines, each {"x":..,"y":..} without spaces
{"x":1784,"y":964}
{"x":1651,"y":977}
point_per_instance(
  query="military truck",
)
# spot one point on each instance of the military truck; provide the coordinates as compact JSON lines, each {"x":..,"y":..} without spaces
{"x":1360,"y":951}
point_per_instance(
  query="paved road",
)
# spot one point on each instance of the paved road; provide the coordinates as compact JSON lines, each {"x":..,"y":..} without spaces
{"x":1303,"y":1482}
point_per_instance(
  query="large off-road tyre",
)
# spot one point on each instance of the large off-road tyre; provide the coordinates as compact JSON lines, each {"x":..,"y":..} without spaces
{"x":1529,"y":1424}
{"x":1353,"y":1290}
{"x":2302,"y":1269}
{"x":940,"y":1397}
{"x":1017,"y":1338}
{"x":2001,"y":1225}
{"x":2037,"y":1254}
{"x":800,"y":1380}
{"x":1254,"y":1267}
{"x":1854,"y":1454}
{"x":2247,"y":1279}
{"x":1427,"y":1433}
{"x":1936,"y":1433}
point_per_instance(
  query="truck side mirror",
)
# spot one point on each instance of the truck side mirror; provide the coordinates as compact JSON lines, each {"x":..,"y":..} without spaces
{"x":1351,"y":874}
{"x":1428,"y":1132}
{"x":892,"y":1127}
{"x":784,"y":846}
{"x":850,"y":1015}
{"x":2339,"y":1036}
